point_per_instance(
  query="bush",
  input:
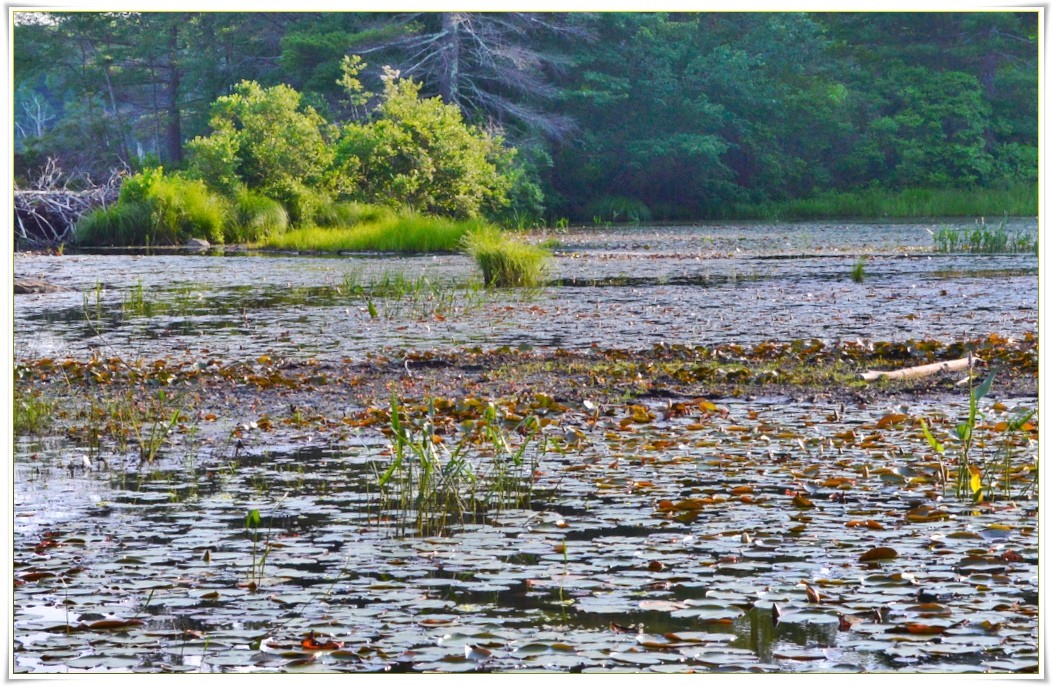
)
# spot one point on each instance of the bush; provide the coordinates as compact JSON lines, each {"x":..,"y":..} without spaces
{"x":421,"y":153}
{"x":263,"y":138}
{"x":505,"y":262}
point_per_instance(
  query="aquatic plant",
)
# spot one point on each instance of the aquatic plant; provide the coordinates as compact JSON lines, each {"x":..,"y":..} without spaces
{"x":31,"y":411}
{"x":858,"y":271}
{"x":983,"y":239}
{"x":404,"y":232}
{"x":253,"y":521}
{"x":506,"y":262}
{"x":428,"y":486}
{"x":254,"y":216}
{"x":976,"y":478}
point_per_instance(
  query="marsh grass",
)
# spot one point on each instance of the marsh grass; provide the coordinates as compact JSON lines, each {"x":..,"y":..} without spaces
{"x":983,"y":239}
{"x":32,"y":413}
{"x":858,"y":271}
{"x":397,"y":296}
{"x":429,"y":486}
{"x":155,"y":209}
{"x":401,"y":233}
{"x":1019,"y":200}
{"x":254,"y":217}
{"x":506,"y":262}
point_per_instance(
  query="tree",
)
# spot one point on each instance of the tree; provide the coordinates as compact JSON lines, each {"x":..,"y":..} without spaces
{"x":420,"y":152}
{"x":493,"y":66}
{"x":262,"y":138}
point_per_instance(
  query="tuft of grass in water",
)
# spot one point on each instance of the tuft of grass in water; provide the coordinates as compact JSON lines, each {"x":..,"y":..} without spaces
{"x":428,"y":486}
{"x":136,"y":304}
{"x":858,"y":271}
{"x":31,"y":412}
{"x":617,"y":209}
{"x":983,"y":239}
{"x":395,"y":295}
{"x":506,"y":262}
{"x":402,"y":233}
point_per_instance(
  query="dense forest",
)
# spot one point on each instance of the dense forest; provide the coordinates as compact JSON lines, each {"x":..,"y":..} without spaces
{"x":620,"y":115}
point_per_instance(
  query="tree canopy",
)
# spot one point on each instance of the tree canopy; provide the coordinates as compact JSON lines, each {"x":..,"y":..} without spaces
{"x":682,"y":114}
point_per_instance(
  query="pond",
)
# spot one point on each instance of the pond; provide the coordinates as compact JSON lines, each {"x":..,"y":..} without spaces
{"x":653,"y":534}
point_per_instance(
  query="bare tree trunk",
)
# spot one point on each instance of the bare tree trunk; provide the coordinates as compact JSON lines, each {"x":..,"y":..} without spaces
{"x":173,"y":131}
{"x":122,"y":144}
{"x":449,"y":78}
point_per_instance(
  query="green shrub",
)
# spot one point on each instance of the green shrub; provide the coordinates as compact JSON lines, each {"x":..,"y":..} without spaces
{"x":421,"y":153}
{"x":505,"y":262}
{"x":264,"y":138}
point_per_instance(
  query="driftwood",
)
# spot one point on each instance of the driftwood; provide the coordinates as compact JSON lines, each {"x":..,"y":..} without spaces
{"x":922,"y":370}
{"x":46,"y":214}
{"x":25,"y":284}
{"x":44,"y":218}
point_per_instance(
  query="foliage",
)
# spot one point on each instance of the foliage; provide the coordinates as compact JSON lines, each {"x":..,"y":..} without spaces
{"x":253,"y":217}
{"x":155,"y":209}
{"x":505,"y":262}
{"x":380,"y":229}
{"x":421,"y":153}
{"x":263,"y":138}
{"x":983,"y":239}
{"x":713,"y":112}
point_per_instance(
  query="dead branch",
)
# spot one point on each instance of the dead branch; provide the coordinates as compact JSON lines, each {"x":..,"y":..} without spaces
{"x":922,"y":370}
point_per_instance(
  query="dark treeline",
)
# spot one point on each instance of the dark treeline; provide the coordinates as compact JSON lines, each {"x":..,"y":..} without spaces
{"x":637,"y":115}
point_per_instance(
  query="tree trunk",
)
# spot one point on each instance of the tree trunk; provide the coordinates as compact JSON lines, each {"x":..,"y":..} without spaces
{"x":449,"y":79}
{"x":173,"y":130}
{"x":922,"y":370}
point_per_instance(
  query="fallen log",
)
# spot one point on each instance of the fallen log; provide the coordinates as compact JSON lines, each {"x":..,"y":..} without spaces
{"x":922,"y":370}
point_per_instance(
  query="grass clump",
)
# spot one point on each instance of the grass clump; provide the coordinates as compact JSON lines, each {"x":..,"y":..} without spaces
{"x":253,"y":217}
{"x":405,"y":232}
{"x":613,"y":209}
{"x":506,"y":262}
{"x":983,"y":239}
{"x":32,"y":413}
{"x":858,"y":271}
{"x":154,"y":209}
{"x":428,"y":487}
